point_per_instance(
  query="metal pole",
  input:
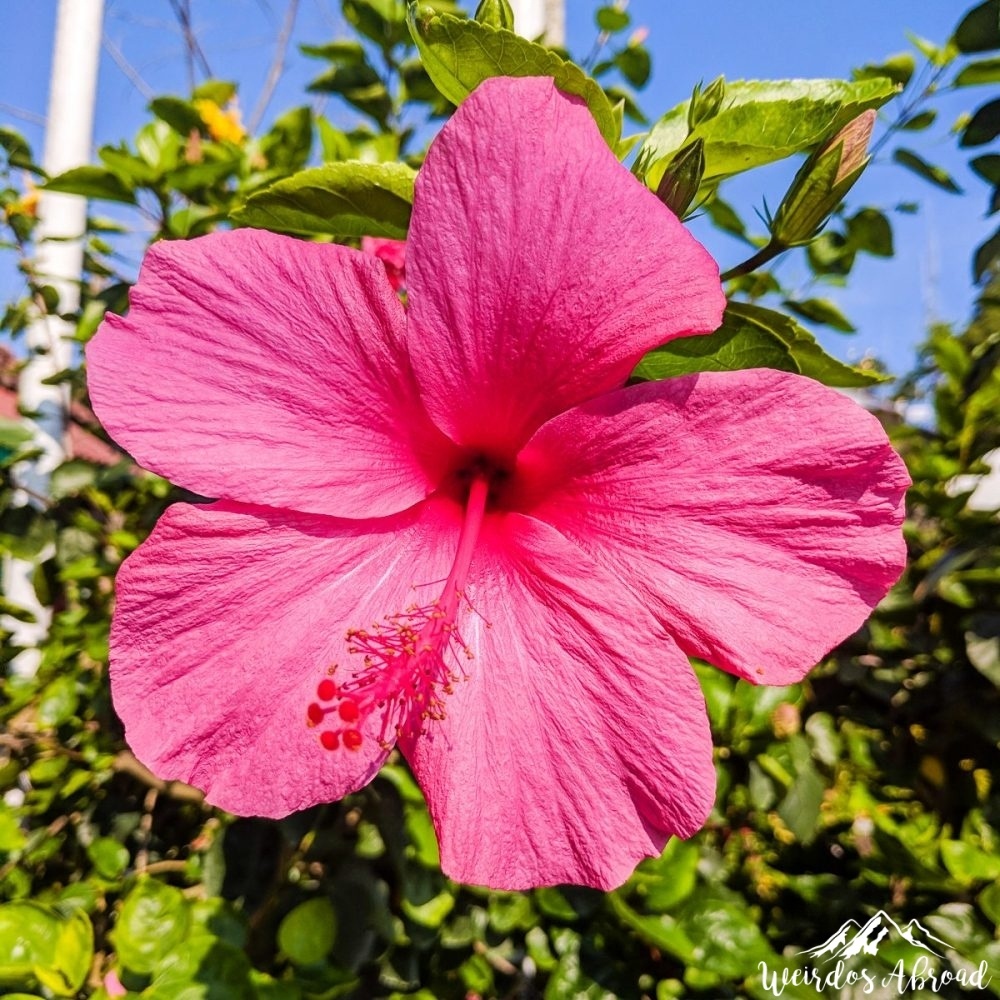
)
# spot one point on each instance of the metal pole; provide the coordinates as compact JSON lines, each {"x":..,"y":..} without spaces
{"x":62,"y":221}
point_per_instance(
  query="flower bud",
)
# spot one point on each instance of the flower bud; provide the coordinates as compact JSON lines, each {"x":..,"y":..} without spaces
{"x":682,"y":178}
{"x":707,"y":103}
{"x":495,"y":13}
{"x":822,"y":182}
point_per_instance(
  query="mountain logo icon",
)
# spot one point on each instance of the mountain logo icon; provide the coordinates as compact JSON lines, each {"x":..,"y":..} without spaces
{"x":852,"y":938}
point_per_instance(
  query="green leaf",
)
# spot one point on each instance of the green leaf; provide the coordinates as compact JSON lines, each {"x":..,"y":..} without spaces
{"x":725,"y":936}
{"x":899,"y":68}
{"x":989,"y":902}
{"x":821,"y":311}
{"x":938,"y":55}
{"x":979,"y":30}
{"x":342,"y":50}
{"x":383,"y":21}
{"x":982,"y":645}
{"x":554,"y":904}
{"x":936,"y":175}
{"x":92,"y":182}
{"x":799,"y":810}
{"x":753,"y":337}
{"x":919,"y":121}
{"x":725,"y":217}
{"x":133,"y":170}
{"x":432,"y":912}
{"x":826,"y":741}
{"x":869,"y":230}
{"x":976,"y":73}
{"x":72,"y":477}
{"x":203,"y":968}
{"x":350,"y":198}
{"x":58,"y":702}
{"x":74,"y":955}
{"x":717,"y":688}
{"x":988,"y":167}
{"x":634,"y":64}
{"x":760,"y":122}
{"x":423,"y":845}
{"x":182,"y":116}
{"x":307,"y":933}
{"x":459,"y":54}
{"x":289,"y":140}
{"x":983,"y":127}
{"x":110,"y":859}
{"x":730,"y":348}
{"x":612,"y":19}
{"x":25,"y":531}
{"x":17,"y":149}
{"x":12,"y":838}
{"x":968,"y":863}
{"x":13,"y":434}
{"x":358,"y":83}
{"x":153,"y":921}
{"x":38,"y":944}
{"x":28,"y":933}
{"x":217,"y":91}
{"x":665,"y":881}
{"x":511,"y":911}
{"x":986,"y":253}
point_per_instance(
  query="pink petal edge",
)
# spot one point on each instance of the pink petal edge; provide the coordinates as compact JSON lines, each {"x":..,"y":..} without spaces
{"x":392,"y":253}
{"x":757,"y":513}
{"x":579,"y":742}
{"x":267,"y":370}
{"x":228,"y":617}
{"x":539,"y":269}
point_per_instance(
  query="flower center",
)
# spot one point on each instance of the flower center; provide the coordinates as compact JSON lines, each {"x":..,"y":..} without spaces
{"x":406,"y":672}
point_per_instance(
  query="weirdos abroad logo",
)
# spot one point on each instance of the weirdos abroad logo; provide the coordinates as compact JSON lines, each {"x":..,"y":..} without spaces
{"x":839,"y":962}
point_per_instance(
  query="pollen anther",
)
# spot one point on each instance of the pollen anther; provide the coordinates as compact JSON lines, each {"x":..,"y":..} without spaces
{"x":410,"y":661}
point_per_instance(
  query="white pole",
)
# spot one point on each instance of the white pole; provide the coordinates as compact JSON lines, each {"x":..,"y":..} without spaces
{"x":59,"y":261}
{"x":540,"y":19}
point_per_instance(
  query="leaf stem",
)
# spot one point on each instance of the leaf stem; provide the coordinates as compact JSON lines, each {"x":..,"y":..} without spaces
{"x":759,"y":259}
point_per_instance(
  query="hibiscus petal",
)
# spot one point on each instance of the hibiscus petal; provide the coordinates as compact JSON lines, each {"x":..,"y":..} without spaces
{"x":264,"y":369}
{"x":228,"y":617}
{"x":757,"y":513}
{"x":539,"y":270}
{"x":579,"y":742}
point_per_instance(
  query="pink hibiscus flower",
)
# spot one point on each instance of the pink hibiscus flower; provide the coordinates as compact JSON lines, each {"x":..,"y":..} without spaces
{"x":454,"y":530}
{"x":392,"y":253}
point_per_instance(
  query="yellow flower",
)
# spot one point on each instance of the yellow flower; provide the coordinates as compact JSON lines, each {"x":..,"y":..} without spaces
{"x":223,"y":125}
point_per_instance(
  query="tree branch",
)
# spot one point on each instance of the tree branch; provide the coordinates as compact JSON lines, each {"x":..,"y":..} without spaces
{"x":277,"y":66}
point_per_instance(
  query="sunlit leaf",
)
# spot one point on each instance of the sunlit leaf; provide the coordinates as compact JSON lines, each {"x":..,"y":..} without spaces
{"x":338,"y":199}
{"x":821,"y":311}
{"x":752,"y":337}
{"x":937,"y":176}
{"x":459,"y":54}
{"x":761,"y":121}
{"x":92,"y":182}
{"x":307,"y":933}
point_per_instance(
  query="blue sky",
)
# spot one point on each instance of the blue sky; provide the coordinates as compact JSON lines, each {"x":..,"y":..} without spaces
{"x":690,"y":40}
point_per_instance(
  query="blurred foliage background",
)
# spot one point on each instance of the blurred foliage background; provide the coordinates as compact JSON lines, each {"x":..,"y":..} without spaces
{"x":870,"y":786}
